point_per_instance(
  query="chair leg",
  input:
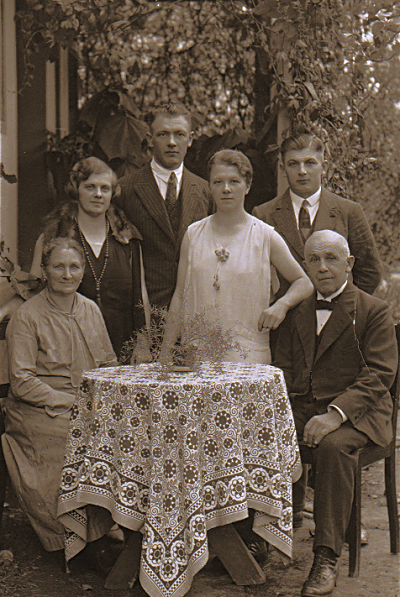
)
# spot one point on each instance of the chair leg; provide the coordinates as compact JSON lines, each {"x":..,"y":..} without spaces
{"x":353,"y":533}
{"x":391,"y":500}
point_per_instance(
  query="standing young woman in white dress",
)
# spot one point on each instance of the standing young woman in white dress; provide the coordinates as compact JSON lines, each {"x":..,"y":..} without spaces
{"x":226,"y":266}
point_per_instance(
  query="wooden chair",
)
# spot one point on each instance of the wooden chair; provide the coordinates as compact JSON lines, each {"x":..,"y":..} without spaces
{"x":367,"y":456}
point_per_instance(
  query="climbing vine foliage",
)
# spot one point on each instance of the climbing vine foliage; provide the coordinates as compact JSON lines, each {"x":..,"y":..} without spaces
{"x":330,"y":64}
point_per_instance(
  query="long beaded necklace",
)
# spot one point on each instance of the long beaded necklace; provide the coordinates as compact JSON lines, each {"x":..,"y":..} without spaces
{"x":96,"y":279}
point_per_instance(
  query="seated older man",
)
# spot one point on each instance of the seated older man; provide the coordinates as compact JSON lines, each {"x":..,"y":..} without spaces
{"x":338,"y":352}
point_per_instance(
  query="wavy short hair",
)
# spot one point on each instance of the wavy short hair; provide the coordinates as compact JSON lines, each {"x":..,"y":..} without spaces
{"x":233,"y":157}
{"x":85,"y":168}
{"x":303,"y":138}
{"x":169,"y":110}
{"x":64,"y":242}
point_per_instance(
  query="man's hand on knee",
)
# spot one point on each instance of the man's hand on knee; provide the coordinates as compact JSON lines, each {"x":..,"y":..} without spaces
{"x":319,"y":426}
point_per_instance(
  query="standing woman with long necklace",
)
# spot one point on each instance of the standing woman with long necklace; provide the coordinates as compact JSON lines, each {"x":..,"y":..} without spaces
{"x":114,"y":276}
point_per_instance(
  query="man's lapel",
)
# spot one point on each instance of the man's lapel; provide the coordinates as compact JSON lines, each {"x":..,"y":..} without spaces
{"x":328,"y":212}
{"x":340,"y":319}
{"x":190,"y":198}
{"x":306,"y":323}
{"x":149,"y":194}
{"x":191,"y":203}
{"x":286,"y":225}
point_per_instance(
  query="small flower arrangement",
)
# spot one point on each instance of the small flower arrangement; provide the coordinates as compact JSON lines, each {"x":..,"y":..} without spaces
{"x":201,"y":340}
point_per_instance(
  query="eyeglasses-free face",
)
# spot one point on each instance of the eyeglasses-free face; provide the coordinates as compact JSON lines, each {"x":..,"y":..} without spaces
{"x":95,"y":194}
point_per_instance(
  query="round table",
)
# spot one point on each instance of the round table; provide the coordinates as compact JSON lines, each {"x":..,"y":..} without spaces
{"x":175,"y":457}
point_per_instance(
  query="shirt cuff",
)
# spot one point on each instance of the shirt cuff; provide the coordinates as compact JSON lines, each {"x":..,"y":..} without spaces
{"x":344,"y":417}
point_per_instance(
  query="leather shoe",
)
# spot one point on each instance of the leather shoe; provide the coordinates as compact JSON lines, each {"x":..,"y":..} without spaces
{"x":322,"y":578}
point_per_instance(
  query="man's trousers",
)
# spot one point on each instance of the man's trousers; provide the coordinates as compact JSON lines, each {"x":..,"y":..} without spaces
{"x":334,"y":463}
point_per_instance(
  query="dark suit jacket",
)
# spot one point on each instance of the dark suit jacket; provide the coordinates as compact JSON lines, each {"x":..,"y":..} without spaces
{"x":355,"y":362}
{"x":334,"y":213}
{"x":144,"y":206}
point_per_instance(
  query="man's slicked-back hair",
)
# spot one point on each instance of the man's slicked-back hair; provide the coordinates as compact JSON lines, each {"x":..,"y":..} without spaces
{"x":169,"y":110}
{"x":302,"y":138}
{"x":233,"y":157}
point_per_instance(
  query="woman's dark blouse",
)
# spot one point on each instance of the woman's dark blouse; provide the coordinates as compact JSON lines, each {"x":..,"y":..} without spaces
{"x":116,"y":288}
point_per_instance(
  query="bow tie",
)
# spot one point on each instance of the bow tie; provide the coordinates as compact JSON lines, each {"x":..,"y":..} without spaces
{"x":325,"y":305}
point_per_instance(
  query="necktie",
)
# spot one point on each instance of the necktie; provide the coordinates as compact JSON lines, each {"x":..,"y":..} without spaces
{"x":325,"y":305}
{"x":171,"y":203}
{"x":304,"y":220}
{"x":170,"y":197}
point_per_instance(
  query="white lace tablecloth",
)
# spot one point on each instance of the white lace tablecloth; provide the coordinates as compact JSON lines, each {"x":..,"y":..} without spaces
{"x":177,"y":457}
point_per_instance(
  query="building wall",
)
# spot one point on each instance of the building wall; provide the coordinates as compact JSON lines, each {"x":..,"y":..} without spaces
{"x":34,"y":200}
{"x":48,"y":104}
{"x":8,"y":128}
{"x":8,"y":158}
{"x":26,"y":113}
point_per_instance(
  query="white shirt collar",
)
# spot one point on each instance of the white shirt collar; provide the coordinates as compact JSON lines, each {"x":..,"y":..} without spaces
{"x":164,"y":173}
{"x":332,"y":296}
{"x":312,"y":199}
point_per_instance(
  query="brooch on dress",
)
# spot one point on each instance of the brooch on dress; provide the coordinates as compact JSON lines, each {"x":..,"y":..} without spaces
{"x":222,"y":254}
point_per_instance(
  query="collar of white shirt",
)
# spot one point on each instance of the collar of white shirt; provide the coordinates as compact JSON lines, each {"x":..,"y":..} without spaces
{"x":162,"y":175}
{"x":332,"y":296}
{"x":313,"y":200}
{"x":324,"y":314}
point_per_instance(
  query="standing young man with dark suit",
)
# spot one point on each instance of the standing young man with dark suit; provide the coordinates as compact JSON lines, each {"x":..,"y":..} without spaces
{"x":163,"y":198}
{"x":306,"y":206}
{"x":338,"y":352}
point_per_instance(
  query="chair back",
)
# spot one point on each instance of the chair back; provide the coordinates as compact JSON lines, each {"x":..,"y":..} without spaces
{"x":395,"y":389}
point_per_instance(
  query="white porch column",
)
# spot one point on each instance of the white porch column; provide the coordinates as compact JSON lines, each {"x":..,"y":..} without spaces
{"x":8,"y":158}
{"x":8,"y":129}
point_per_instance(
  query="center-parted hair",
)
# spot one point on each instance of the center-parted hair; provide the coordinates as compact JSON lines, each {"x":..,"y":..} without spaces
{"x":233,"y":157}
{"x":63,"y":243}
{"x":170,"y":110}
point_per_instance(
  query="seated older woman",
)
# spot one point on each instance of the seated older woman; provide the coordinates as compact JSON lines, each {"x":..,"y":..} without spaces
{"x":52,"y":339}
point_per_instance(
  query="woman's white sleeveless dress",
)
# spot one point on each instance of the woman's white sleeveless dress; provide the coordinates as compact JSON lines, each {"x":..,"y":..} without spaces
{"x":233,"y":292}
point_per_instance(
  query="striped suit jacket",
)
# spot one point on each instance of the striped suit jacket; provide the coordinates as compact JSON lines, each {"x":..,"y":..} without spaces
{"x":144,"y":206}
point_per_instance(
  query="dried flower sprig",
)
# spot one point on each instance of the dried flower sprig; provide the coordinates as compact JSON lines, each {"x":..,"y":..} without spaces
{"x":201,"y":340}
